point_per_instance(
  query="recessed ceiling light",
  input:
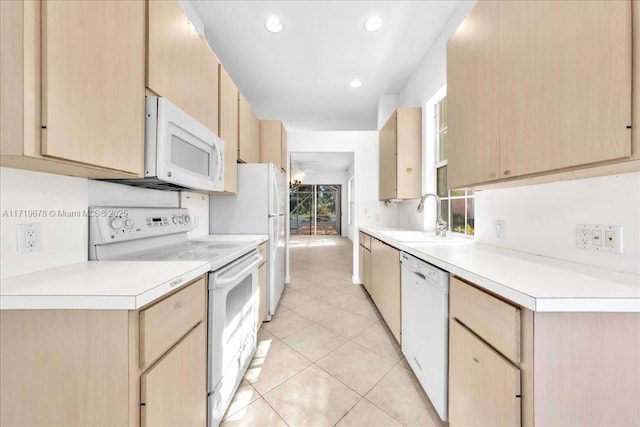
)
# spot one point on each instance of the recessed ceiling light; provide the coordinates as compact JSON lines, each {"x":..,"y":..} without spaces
{"x":273,"y":24}
{"x":356,"y":83}
{"x":373,"y":23}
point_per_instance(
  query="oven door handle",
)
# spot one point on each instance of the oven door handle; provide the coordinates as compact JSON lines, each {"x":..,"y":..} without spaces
{"x":223,"y":280}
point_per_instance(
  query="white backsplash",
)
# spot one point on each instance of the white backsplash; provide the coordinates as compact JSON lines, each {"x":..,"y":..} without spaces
{"x":375,"y":213}
{"x":198,"y":205}
{"x":102,"y":193}
{"x":541,"y":219}
{"x":58,"y":203}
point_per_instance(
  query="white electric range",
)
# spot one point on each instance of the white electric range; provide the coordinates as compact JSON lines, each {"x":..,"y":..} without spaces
{"x":160,"y":234}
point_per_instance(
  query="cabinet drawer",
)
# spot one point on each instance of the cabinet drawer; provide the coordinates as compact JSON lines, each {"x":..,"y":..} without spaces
{"x":495,"y":321}
{"x":262,"y":250}
{"x":365,"y":240}
{"x":165,"y":322}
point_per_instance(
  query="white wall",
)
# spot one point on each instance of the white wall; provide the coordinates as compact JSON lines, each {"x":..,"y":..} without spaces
{"x":541,"y":219}
{"x":58,"y":203}
{"x":333,"y":177}
{"x":351,"y":231}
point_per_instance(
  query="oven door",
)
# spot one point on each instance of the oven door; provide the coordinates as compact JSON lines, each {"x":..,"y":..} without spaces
{"x":232,"y":335}
{"x":187,"y":153}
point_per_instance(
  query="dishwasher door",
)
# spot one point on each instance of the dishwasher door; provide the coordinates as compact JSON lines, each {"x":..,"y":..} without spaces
{"x":425,"y":327}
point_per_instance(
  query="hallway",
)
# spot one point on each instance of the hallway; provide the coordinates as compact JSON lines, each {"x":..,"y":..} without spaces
{"x":327,"y":358}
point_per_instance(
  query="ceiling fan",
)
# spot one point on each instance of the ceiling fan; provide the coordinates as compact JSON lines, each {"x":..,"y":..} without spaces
{"x":304,"y":167}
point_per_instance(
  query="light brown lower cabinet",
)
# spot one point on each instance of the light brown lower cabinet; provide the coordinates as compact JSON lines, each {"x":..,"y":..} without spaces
{"x":365,"y":261}
{"x":570,"y":369}
{"x":385,"y":284}
{"x":84,"y":367}
{"x":484,"y":387}
{"x":171,"y":390}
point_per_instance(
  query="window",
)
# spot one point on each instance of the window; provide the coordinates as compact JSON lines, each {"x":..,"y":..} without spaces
{"x":457,"y":205}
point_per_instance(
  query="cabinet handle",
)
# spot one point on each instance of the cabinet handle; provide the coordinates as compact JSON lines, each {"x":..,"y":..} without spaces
{"x":177,"y":305}
{"x":476,"y":360}
{"x":507,"y":172}
{"x":175,"y":282}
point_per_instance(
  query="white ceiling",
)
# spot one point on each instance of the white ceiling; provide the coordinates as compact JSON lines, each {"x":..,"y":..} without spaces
{"x":301,"y":75}
{"x":321,"y":161}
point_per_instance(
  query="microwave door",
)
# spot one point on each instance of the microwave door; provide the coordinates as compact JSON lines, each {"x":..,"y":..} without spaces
{"x":192,"y":158}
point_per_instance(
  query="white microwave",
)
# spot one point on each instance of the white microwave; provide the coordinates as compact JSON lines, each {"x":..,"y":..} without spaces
{"x":180,"y":152}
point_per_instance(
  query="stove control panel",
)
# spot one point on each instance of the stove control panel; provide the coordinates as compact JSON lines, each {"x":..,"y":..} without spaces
{"x":116,"y":224}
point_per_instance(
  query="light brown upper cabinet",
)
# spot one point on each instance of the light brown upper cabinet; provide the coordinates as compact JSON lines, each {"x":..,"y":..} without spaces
{"x":536,"y":87}
{"x":248,"y":133}
{"x":72,"y":82}
{"x":400,"y":157}
{"x":472,"y":57}
{"x":635,"y":109}
{"x":180,"y":64}
{"x":228,"y":107}
{"x":273,"y":143}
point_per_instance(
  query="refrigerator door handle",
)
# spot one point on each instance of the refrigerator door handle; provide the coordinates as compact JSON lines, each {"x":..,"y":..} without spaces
{"x":275,"y":201}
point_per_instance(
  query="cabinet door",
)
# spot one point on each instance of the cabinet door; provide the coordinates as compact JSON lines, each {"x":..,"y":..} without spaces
{"x":376,"y":274}
{"x":271,"y":142}
{"x":472,"y":98}
{"x":385,"y":284}
{"x":229,"y":129}
{"x":635,"y":132}
{"x":361,"y":250}
{"x":388,"y":159}
{"x":180,"y":64}
{"x":565,"y":73}
{"x":248,"y":133}
{"x":409,"y":153}
{"x":93,"y":83}
{"x":367,"y":270}
{"x":484,"y":388}
{"x":174,"y":390}
{"x":391,"y":290}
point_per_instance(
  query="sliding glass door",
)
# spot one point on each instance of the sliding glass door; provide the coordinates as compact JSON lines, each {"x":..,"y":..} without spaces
{"x":315,"y":210}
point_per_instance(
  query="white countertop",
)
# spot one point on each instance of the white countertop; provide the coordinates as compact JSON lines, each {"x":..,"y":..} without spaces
{"x":535,"y":282}
{"x":112,"y":285}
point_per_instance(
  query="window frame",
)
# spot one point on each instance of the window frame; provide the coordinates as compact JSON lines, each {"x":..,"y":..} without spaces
{"x":447,"y":200}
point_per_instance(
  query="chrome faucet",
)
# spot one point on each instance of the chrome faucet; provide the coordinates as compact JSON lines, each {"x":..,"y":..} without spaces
{"x":441,"y":225}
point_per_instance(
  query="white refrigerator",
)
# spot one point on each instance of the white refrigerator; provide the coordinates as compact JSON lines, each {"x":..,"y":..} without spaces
{"x":257,"y":208}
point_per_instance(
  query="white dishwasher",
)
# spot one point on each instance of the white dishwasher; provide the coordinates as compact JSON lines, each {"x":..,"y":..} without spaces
{"x":425,"y":327}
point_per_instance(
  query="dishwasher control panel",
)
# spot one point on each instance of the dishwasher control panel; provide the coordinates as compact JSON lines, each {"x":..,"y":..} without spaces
{"x":428,"y":272}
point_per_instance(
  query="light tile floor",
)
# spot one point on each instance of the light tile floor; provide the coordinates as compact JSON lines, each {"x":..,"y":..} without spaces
{"x":327,"y":358}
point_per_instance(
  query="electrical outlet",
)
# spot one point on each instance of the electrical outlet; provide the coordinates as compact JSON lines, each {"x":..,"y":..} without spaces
{"x":500,"y":229}
{"x":29,"y":238}
{"x":602,"y":238}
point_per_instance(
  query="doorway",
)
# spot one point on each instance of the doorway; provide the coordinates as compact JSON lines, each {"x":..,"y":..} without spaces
{"x":315,"y":210}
